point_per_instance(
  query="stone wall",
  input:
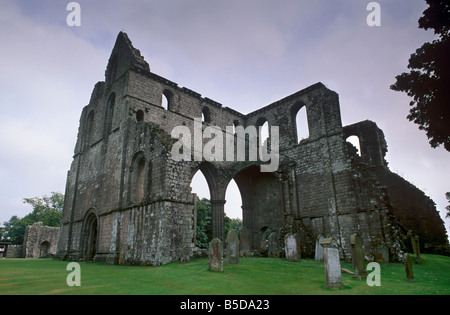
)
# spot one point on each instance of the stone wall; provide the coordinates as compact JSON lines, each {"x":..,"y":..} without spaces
{"x":15,"y":251}
{"x":129,"y":202}
{"x":40,"y":241}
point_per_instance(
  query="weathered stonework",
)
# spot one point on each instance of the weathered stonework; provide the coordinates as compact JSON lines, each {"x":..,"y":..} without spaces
{"x":129,"y":202}
{"x":40,"y":241}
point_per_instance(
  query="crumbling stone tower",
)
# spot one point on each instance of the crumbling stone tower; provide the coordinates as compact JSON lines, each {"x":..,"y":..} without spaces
{"x":129,"y":202}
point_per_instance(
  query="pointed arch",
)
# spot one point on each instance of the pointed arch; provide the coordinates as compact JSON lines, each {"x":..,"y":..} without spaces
{"x":138,"y":174}
{"x":110,"y":104}
{"x":354,"y":140}
{"x":206,"y":115}
{"x":88,"y":130}
{"x":89,"y":236}
{"x":299,"y":119}
{"x":166,"y":99}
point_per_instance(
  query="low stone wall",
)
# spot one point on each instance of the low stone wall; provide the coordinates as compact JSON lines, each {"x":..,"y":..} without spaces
{"x":14,"y":251}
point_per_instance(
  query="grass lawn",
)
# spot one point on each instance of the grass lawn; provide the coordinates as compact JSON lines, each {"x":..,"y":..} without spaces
{"x":253,"y":276}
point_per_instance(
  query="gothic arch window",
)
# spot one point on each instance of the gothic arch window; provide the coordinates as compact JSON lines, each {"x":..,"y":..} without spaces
{"x":166,"y":99}
{"x":109,"y":113}
{"x":138,"y":172}
{"x":206,"y":115}
{"x":88,"y":130}
{"x":354,"y":140}
{"x":299,"y":117}
{"x":262,"y":126}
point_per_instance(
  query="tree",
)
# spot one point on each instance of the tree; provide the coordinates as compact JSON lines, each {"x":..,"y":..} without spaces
{"x":428,"y":81}
{"x":47,"y":210}
{"x":204,"y":226}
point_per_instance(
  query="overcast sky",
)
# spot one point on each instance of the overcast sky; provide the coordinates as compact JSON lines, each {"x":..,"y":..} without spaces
{"x":244,"y":54}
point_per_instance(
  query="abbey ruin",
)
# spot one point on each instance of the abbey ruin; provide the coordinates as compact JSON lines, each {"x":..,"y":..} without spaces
{"x":128,"y":201}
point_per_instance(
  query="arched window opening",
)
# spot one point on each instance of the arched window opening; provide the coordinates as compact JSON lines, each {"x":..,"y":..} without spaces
{"x":354,"y":140}
{"x":109,"y":113}
{"x":140,"y":115}
{"x":235,"y":124}
{"x":88,"y":130}
{"x":138,"y":179}
{"x":44,"y":249}
{"x":263,"y":132}
{"x":166,"y":99}
{"x":206,"y":115}
{"x":203,"y":212}
{"x":301,"y":122}
{"x":233,"y":206}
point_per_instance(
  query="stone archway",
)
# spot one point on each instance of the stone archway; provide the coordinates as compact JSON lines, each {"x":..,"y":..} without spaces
{"x":44,"y":249}
{"x":262,"y":203}
{"x":89,"y":237}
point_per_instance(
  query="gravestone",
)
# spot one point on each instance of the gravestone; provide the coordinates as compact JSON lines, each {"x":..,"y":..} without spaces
{"x":274,"y":250}
{"x":418,"y":259}
{"x":382,"y":254}
{"x":244,"y":244}
{"x":358,"y":257}
{"x":290,"y":247}
{"x":185,"y":254}
{"x":298,"y":238}
{"x":215,"y":255}
{"x":412,"y":240}
{"x":232,"y":248}
{"x":408,"y":268}
{"x":319,"y":249}
{"x":332,"y":264}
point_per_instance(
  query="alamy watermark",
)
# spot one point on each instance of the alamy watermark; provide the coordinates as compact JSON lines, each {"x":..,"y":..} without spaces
{"x":374,"y":275}
{"x":74,"y":277}
{"x":374,"y":17}
{"x":74,"y":17}
{"x":193,"y":148}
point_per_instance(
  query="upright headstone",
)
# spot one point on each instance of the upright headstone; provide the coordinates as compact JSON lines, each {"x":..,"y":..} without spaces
{"x":332,"y":264}
{"x":274,"y":250}
{"x":290,"y":247}
{"x":232,"y":248}
{"x":358,"y":257}
{"x":382,"y":254}
{"x":418,"y":259}
{"x":244,"y":244}
{"x":215,"y":255}
{"x":298,"y":238}
{"x":412,"y":240}
{"x":408,"y":268}
{"x":185,"y":254}
{"x":319,"y":249}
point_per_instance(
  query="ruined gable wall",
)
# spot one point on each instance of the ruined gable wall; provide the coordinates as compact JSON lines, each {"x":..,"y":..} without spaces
{"x":35,"y":239}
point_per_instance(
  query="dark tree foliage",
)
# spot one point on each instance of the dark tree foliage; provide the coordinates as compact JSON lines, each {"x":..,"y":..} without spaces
{"x":428,"y":82}
{"x":46,"y":209}
{"x":204,"y":225}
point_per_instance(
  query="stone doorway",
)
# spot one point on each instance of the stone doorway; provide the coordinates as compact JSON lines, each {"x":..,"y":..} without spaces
{"x":90,"y":237}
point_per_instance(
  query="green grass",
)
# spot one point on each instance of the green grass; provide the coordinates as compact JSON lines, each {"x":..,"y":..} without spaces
{"x":253,"y":276}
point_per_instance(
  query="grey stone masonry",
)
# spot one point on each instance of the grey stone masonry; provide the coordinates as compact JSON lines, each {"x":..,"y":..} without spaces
{"x":129,"y":200}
